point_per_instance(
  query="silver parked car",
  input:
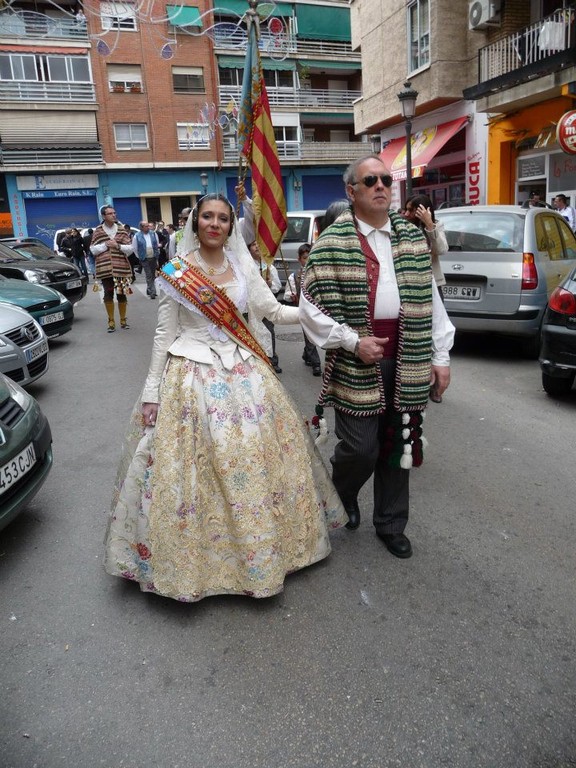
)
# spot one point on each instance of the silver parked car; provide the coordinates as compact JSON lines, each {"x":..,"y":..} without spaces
{"x":23,"y":345}
{"x":502,"y":266}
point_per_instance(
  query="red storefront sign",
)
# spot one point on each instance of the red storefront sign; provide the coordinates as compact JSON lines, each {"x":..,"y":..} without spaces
{"x":566,"y":132}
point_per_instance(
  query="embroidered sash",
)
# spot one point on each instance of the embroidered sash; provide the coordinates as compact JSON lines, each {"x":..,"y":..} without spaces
{"x":213,"y":301}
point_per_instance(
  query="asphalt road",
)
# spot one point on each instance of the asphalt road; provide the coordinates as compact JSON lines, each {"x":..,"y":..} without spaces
{"x":461,"y":657}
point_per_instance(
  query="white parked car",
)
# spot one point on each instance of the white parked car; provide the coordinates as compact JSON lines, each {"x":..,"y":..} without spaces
{"x":23,"y":345}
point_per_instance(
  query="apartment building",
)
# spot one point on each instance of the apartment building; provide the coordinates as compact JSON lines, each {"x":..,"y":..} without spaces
{"x":426,"y":43}
{"x":526,"y":82}
{"x":135,"y":105}
{"x":493,"y":78}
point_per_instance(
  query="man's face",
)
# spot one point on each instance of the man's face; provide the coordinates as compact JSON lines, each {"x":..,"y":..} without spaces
{"x":109,"y":216}
{"x":558,"y":203}
{"x":370,"y":202}
{"x":144,"y":226}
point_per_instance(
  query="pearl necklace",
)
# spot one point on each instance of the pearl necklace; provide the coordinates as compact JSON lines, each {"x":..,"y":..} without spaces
{"x":205,"y":267}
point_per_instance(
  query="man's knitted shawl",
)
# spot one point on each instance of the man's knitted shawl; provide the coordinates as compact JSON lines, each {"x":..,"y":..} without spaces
{"x":112,"y":262}
{"x":336,"y":282}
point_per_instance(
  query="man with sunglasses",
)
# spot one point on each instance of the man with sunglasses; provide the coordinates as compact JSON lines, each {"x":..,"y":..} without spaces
{"x":369,"y":299}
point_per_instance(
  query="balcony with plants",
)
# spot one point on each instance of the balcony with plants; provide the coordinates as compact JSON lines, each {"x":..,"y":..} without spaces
{"x":544,"y":47}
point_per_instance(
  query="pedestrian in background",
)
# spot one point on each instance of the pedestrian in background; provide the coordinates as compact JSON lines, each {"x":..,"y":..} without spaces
{"x":171,"y":246}
{"x":565,"y":210}
{"x":145,"y":246}
{"x":111,"y":248}
{"x":333,"y":211}
{"x":86,"y":241}
{"x":73,"y":247}
{"x":292,"y":297}
{"x":420,"y":211}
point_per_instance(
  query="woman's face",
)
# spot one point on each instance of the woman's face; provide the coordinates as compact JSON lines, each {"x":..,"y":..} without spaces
{"x":214,"y":223}
{"x":411,"y":213}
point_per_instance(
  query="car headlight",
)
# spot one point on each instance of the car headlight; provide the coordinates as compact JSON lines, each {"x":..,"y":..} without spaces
{"x":18,"y":394}
{"x":36,"y":277}
{"x":63,"y":299}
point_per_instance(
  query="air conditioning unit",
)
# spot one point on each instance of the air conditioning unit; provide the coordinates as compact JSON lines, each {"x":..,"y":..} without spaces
{"x":483,"y":14}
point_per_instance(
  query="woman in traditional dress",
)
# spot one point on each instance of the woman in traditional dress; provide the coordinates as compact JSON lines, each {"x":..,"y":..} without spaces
{"x":220,"y":489}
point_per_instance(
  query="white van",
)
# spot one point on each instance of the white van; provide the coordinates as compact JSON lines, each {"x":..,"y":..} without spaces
{"x":303,"y":227}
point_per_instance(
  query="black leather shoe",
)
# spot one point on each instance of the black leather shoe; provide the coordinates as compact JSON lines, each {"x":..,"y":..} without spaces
{"x":353,"y":512}
{"x":397,"y":544}
{"x":316,"y":371}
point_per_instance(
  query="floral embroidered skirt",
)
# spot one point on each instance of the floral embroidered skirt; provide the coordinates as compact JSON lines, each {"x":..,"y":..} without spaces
{"x":227,"y":494}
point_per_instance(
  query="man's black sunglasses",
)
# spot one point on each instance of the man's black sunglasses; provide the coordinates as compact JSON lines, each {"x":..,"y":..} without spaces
{"x":370,"y":181}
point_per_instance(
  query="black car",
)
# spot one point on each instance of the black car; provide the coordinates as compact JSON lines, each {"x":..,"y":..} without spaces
{"x":558,"y":352}
{"x":31,"y":260}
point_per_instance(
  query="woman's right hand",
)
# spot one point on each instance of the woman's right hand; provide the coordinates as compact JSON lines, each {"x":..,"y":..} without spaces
{"x":149,"y":414}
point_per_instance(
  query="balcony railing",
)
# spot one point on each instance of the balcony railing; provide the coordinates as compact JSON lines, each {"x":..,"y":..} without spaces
{"x":289,"y":46}
{"x":28,"y":24}
{"x":298,"y":99}
{"x":26,"y":90}
{"x":309,"y":151}
{"x":529,"y":46}
{"x":34,"y":156}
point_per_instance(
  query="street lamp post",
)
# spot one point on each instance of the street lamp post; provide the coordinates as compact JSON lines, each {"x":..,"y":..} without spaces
{"x":204,"y":182}
{"x":407,"y":98}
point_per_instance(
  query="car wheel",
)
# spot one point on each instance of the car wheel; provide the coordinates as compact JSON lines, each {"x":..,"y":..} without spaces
{"x":555,"y":386}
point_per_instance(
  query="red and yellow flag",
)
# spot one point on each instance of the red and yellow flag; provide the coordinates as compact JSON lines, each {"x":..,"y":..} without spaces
{"x":258,"y":145}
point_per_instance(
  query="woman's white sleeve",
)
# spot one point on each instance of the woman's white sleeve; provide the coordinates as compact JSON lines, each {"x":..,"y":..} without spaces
{"x":166,"y":333}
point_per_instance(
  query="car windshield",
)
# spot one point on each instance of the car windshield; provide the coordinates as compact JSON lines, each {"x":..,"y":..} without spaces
{"x":297,"y":230}
{"x":34,"y":252}
{"x":483,"y":231}
{"x":7,"y":255}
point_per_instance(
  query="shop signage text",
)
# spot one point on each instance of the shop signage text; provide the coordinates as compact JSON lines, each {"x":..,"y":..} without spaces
{"x":75,"y":181}
{"x":58,"y":193}
{"x":473,"y":170}
{"x":566,"y":132}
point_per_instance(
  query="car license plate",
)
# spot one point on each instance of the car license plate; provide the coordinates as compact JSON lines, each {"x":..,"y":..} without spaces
{"x":53,"y":318}
{"x":36,"y":352}
{"x":73,"y":284}
{"x":466,"y":292}
{"x":17,"y":467}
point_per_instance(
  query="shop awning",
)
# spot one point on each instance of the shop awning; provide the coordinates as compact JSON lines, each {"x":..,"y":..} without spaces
{"x":183,"y":16}
{"x":237,"y":62}
{"x":264,"y":9}
{"x":425,"y":145}
{"x":332,"y":64}
{"x":322,"y":23}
